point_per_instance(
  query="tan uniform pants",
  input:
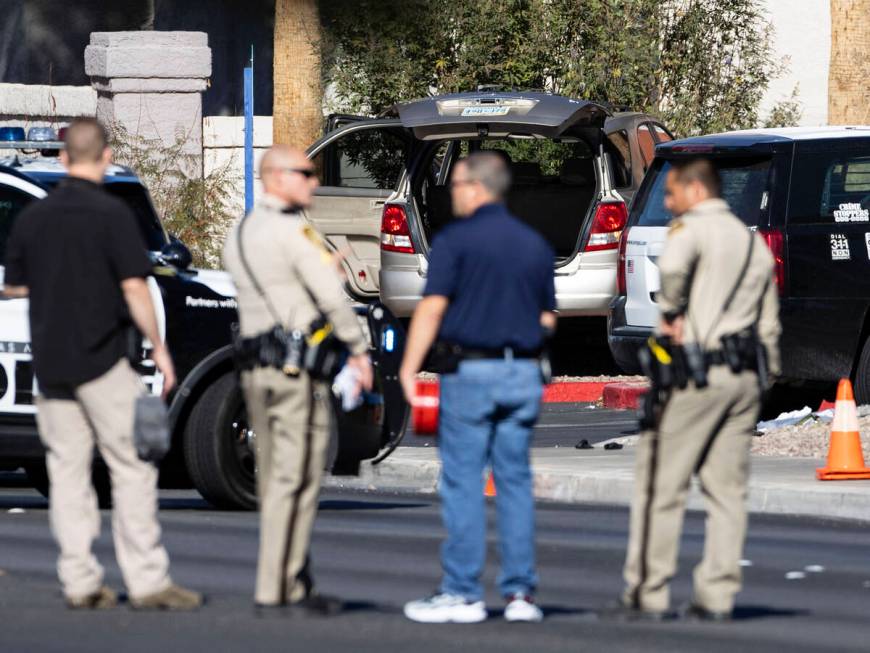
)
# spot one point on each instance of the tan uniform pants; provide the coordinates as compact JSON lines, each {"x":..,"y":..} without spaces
{"x":713,"y":425}
{"x":290,"y":417}
{"x":101,"y":412}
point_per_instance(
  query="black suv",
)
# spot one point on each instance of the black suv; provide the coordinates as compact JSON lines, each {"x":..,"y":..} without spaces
{"x":213,"y":447}
{"x":807,"y":191}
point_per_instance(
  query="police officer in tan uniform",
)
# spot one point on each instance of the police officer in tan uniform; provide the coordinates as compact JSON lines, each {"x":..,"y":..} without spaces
{"x":283,"y":272}
{"x":713,"y":284}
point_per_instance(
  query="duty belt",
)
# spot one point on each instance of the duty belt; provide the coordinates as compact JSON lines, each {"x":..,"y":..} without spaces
{"x":717,"y":357}
{"x":478,"y":353}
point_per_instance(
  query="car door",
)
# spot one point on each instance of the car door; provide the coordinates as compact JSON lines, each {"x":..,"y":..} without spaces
{"x":361,"y":162}
{"x":828,"y":245}
{"x":17,"y":386}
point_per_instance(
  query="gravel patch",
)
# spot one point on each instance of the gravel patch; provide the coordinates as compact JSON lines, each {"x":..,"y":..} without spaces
{"x":809,"y":439}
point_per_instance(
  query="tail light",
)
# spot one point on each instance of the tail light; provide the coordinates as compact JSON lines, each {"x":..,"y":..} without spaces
{"x":607,"y":226}
{"x":395,"y":235}
{"x":621,"y":286}
{"x":776,"y":245}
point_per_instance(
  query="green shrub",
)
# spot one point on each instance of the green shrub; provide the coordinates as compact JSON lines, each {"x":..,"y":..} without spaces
{"x":194,"y":208}
{"x":700,"y":65}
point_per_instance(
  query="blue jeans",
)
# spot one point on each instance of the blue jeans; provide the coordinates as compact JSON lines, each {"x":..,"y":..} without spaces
{"x":488,"y":409}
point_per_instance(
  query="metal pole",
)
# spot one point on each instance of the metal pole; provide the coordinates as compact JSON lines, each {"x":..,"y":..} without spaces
{"x":249,"y":134}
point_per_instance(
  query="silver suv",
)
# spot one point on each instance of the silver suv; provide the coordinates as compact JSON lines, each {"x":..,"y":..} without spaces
{"x":575,"y":166}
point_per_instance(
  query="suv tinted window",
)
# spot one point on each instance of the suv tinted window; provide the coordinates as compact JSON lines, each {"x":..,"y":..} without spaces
{"x":620,"y":154}
{"x":830,"y":187}
{"x":647,"y":144}
{"x":12,"y":201}
{"x":744,"y":187}
{"x":135,"y":196}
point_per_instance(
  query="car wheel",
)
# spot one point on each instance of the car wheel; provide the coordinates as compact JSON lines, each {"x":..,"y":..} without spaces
{"x":37,"y":474}
{"x":218,"y":446}
{"x":862,"y":376}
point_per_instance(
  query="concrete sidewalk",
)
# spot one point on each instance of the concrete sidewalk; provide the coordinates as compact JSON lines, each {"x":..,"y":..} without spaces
{"x":777,"y":485}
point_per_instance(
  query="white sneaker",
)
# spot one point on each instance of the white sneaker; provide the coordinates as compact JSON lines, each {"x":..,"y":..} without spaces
{"x":445,"y":608}
{"x":521,"y":607}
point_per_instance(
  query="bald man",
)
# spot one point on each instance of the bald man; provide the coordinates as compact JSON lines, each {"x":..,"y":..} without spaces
{"x":285,"y":276}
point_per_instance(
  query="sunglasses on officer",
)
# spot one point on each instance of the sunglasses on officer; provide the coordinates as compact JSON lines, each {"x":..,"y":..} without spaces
{"x":308,"y":173}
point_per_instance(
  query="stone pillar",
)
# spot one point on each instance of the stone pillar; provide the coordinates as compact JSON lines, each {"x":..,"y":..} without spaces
{"x":151,"y":83}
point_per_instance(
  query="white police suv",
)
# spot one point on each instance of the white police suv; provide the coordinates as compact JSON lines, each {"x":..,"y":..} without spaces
{"x":213,"y":447}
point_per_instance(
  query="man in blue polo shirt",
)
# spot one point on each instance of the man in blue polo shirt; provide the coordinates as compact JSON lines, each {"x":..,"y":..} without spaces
{"x":489,"y":303}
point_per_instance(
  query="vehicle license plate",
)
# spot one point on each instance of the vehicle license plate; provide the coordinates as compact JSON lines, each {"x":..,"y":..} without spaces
{"x":485,"y":111}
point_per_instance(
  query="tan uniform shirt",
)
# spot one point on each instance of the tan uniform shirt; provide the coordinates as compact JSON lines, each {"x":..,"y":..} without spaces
{"x":296,"y":271}
{"x":703,"y":256}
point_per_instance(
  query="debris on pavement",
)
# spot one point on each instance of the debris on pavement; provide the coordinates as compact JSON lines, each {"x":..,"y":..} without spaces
{"x":808,"y":437}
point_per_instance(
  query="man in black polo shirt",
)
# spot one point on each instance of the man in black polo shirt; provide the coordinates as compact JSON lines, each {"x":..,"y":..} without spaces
{"x":490,"y":292}
{"x":79,"y":257}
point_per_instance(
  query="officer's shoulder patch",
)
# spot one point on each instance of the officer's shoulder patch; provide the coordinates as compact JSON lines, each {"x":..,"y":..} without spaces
{"x":675,"y":226}
{"x":311,"y":235}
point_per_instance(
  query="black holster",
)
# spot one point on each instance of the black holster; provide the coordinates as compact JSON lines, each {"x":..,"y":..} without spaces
{"x":745,"y":351}
{"x":276,"y":348}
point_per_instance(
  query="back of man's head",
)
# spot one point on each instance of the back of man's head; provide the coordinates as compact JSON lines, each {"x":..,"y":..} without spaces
{"x":86,"y":140}
{"x":698,"y":170}
{"x":491,"y":171}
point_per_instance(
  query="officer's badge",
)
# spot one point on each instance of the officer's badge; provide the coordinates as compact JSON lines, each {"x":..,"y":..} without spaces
{"x":311,"y":234}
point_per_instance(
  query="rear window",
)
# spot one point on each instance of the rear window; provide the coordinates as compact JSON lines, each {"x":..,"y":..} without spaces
{"x":542,"y":156}
{"x":744,"y":187}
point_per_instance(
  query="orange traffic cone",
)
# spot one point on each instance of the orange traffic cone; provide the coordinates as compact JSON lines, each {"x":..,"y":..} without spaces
{"x":489,"y":490}
{"x":845,"y":458}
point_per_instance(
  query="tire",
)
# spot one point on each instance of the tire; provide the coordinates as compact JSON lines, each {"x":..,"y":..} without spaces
{"x":219,"y":459}
{"x":862,"y":376}
{"x":38,"y":477}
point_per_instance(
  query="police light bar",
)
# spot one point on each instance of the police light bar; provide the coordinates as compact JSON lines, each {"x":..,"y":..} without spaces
{"x":32,"y":145}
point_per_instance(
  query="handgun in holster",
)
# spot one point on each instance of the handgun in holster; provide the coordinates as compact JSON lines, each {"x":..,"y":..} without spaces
{"x":657,"y":364}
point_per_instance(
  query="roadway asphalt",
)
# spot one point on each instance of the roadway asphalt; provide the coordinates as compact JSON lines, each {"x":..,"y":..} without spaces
{"x":379,"y":551}
{"x":564,"y":425}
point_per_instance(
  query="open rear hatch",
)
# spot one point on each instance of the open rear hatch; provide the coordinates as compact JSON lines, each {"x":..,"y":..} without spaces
{"x":463,"y":115}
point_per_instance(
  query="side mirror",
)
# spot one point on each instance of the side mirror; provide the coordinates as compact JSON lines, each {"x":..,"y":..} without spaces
{"x":176,"y":254}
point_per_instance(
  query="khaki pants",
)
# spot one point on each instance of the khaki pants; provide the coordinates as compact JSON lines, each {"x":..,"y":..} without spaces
{"x":713,"y":427}
{"x":101,"y":412}
{"x":291,"y":419}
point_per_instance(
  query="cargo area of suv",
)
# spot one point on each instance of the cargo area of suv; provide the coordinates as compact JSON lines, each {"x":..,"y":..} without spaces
{"x":554,"y":185}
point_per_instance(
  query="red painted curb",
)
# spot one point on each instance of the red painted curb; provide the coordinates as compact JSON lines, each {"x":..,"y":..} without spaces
{"x":623,"y":395}
{"x":576,"y":392}
{"x":614,"y":395}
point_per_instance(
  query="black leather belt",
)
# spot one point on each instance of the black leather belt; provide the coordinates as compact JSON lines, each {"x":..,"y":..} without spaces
{"x":475,"y":353}
{"x":717,"y":357}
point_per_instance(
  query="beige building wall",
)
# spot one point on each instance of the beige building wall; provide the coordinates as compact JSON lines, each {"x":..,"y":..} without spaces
{"x":803,"y":37}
